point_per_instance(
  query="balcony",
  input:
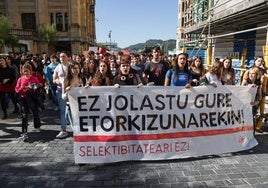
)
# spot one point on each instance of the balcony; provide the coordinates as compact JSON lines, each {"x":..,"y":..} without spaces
{"x":24,"y":34}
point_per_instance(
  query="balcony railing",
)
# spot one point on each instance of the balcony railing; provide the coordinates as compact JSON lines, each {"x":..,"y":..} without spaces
{"x":24,"y":34}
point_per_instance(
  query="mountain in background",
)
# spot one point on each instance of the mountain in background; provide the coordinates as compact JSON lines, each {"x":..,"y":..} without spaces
{"x":167,"y":45}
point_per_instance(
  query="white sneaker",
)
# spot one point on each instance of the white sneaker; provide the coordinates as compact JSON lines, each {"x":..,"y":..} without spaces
{"x":38,"y":129}
{"x":24,"y":136}
{"x":62,"y":134}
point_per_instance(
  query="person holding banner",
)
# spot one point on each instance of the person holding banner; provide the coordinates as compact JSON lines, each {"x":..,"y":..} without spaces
{"x":73,"y":79}
{"x":260,"y":64}
{"x":58,"y":78}
{"x":126,"y":75}
{"x":180,"y":74}
{"x":89,"y":69}
{"x":213,"y":77}
{"x":197,"y":70}
{"x":228,"y":73}
{"x":254,"y":81}
{"x":103,"y":75}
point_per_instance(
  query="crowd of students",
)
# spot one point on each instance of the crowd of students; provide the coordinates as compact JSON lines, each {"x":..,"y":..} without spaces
{"x":24,"y":78}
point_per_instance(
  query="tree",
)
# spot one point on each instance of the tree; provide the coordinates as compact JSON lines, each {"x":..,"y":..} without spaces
{"x":48,"y":33}
{"x":5,"y":28}
{"x":99,"y":45}
{"x":148,"y":49}
{"x":11,"y":41}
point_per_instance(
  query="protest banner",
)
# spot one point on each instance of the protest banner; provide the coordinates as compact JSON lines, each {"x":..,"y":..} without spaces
{"x":158,"y":123}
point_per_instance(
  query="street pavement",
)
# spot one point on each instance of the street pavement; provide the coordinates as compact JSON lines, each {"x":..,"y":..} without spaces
{"x":43,"y":161}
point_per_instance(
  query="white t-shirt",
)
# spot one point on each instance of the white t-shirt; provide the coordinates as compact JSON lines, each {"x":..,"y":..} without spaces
{"x":60,"y":71}
{"x":213,"y":78}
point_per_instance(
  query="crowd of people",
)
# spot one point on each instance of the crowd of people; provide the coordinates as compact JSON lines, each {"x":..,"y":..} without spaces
{"x":27,"y":79}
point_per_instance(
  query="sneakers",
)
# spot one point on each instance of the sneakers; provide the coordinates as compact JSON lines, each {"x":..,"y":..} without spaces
{"x":38,"y":129}
{"x":56,"y":108}
{"x":24,"y":136}
{"x":62,"y":134}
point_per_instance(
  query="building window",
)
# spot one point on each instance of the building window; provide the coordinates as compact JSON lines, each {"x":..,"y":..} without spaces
{"x":92,"y":8}
{"x":59,"y":21}
{"x":19,"y":48}
{"x":28,"y":21}
{"x":51,"y":18}
{"x":66,"y":20}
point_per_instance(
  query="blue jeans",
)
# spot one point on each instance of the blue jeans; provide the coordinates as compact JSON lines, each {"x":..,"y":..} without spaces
{"x":68,"y":115}
{"x":62,"y":107}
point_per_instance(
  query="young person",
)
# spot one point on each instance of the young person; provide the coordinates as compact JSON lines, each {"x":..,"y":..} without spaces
{"x":155,"y":70}
{"x":114,"y":67}
{"x":179,"y":75}
{"x":253,"y":80}
{"x":73,"y":79}
{"x":58,"y":78}
{"x":213,"y":77}
{"x":49,"y":78}
{"x":7,"y":86}
{"x":126,"y":75}
{"x":103,"y":75}
{"x":260,"y":64}
{"x":228,"y":73}
{"x":89,"y":69}
{"x":28,"y":98}
{"x":138,"y":66}
{"x":197,"y":70}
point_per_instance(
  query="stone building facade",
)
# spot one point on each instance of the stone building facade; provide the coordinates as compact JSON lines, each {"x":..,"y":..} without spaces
{"x":74,"y":21}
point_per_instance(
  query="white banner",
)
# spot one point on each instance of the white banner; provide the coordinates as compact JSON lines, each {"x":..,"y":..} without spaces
{"x":158,"y":123}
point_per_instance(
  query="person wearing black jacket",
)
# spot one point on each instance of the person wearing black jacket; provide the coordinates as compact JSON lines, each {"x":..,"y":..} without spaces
{"x":126,"y":75}
{"x":7,"y":86}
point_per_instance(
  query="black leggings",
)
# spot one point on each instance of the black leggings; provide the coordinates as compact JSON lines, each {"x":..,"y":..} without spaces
{"x":4,"y":102}
{"x":28,"y":105}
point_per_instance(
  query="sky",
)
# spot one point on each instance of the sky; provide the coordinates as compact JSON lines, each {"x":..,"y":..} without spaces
{"x":135,"y":21}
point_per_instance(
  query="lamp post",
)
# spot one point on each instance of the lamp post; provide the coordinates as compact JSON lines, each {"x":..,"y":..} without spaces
{"x":110,"y":37}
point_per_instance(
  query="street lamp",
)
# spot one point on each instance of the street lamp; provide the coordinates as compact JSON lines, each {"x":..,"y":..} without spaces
{"x":110,"y":37}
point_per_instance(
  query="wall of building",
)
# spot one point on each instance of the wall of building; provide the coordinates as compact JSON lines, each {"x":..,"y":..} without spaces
{"x":223,"y":47}
{"x":225,"y":8}
{"x":79,"y":31}
{"x":253,"y":41}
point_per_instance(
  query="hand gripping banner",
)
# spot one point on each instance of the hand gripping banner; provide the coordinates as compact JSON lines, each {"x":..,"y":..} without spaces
{"x":159,"y":123}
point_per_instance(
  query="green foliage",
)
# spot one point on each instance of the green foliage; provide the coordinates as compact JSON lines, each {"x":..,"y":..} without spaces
{"x":48,"y":33}
{"x":100,"y":45}
{"x":146,"y":47}
{"x":5,"y":28}
{"x":11,"y":41}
